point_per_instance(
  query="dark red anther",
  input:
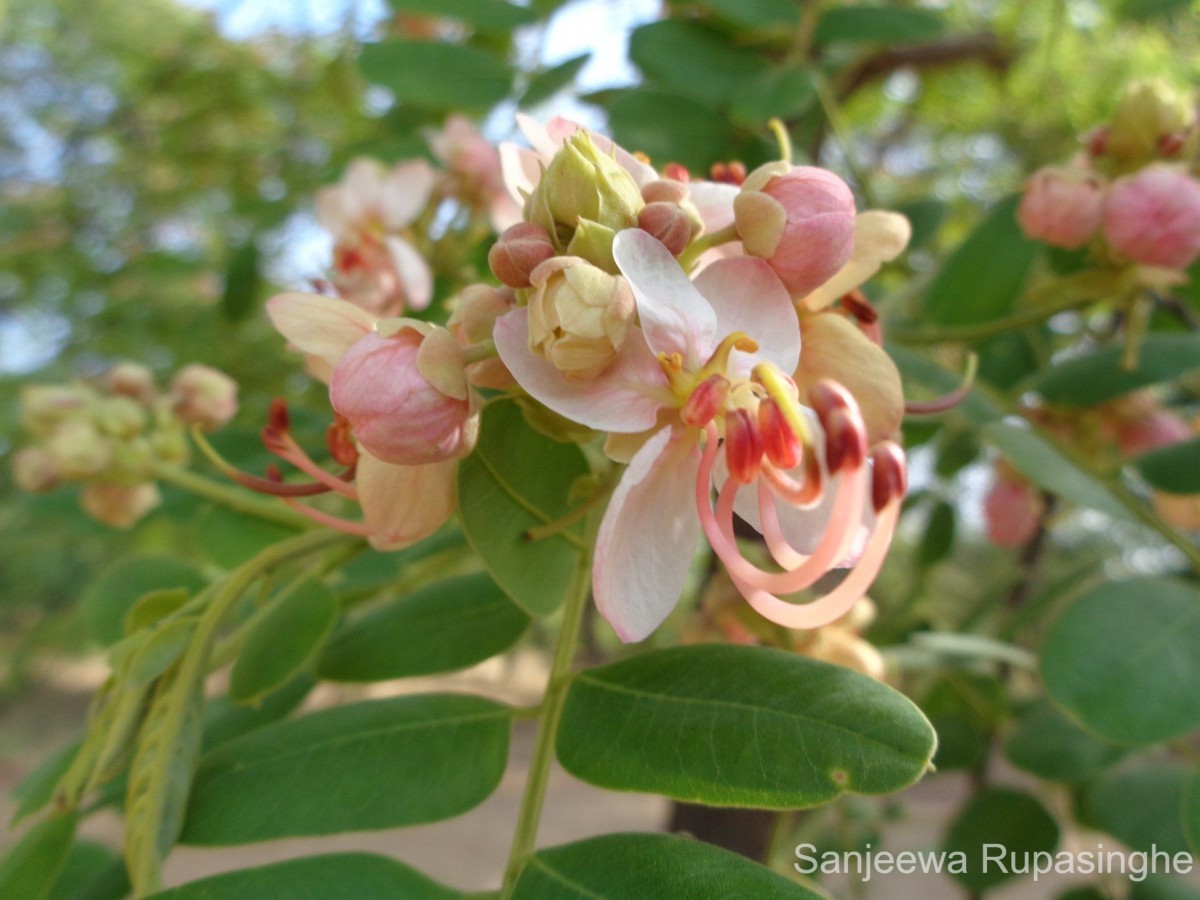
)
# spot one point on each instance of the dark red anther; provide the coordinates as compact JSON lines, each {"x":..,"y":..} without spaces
{"x":889,"y":475}
{"x":1097,"y":141}
{"x":1170,"y":144}
{"x":729,"y":172}
{"x":857,"y":304}
{"x":677,"y":172}
{"x":743,"y":446}
{"x":278,"y":420}
{"x":780,"y":443}
{"x":340,"y":442}
{"x":826,"y":396}
{"x":845,"y":440}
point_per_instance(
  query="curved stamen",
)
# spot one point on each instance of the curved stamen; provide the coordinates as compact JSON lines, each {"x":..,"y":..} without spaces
{"x":841,"y":599}
{"x":781,"y":548}
{"x":285,"y":447}
{"x":949,"y":400}
{"x":323,"y":518}
{"x":835,"y":544}
{"x":801,"y":494}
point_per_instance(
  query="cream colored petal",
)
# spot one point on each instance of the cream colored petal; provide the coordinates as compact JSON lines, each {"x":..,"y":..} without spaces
{"x":405,"y":504}
{"x":879,"y":237}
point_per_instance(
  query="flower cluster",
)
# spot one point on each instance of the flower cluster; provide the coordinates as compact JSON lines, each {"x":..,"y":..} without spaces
{"x":111,"y":434}
{"x":667,"y":312}
{"x":1130,"y":195}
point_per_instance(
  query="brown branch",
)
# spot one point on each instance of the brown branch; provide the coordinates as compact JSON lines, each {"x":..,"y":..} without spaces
{"x":985,"y":48}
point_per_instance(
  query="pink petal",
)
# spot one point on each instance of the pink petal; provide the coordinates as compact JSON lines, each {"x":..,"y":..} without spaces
{"x":625,"y":398}
{"x":405,"y":192}
{"x":361,"y":187}
{"x":404,"y":504}
{"x":714,"y":201}
{"x":675,"y":317}
{"x":879,"y":237}
{"x":414,"y":273}
{"x":648,"y":536}
{"x":545,"y":139}
{"x":748,"y":297}
{"x":320,"y":326}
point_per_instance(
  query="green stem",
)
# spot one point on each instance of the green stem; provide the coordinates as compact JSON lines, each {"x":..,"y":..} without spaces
{"x":964,"y":334}
{"x":706,"y":242}
{"x":231,"y":497}
{"x":551,"y":711}
{"x":841,"y":134}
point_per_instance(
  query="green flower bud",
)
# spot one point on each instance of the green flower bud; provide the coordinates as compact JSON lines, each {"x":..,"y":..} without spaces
{"x":1148,"y":112}
{"x":582,"y":182}
{"x":593,"y":242}
{"x":120,"y":417}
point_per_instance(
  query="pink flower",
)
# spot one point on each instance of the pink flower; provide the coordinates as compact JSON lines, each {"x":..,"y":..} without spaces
{"x":1012,"y":510}
{"x":401,"y":504}
{"x":405,"y":394}
{"x":475,"y":165}
{"x":373,"y":266}
{"x":800,"y":219}
{"x":1153,"y":217}
{"x":702,"y":384}
{"x":1061,"y":206}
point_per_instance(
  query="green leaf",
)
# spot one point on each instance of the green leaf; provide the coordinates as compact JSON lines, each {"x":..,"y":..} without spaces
{"x":1125,"y":660}
{"x":1098,"y":377}
{"x":728,"y":726}
{"x":106,"y":600}
{"x":925,"y":216}
{"x":91,"y":872}
{"x":378,"y":764}
{"x":938,"y":539}
{"x":437,"y":75}
{"x":1162,"y":888}
{"x":517,"y":479}
{"x":484,"y":15}
{"x":331,"y":876}
{"x":782,"y":93}
{"x":1045,"y":466}
{"x":449,"y":625}
{"x":1141,"y":805}
{"x":225,"y":720}
{"x":1000,"y":816}
{"x":545,"y":85}
{"x":1174,"y":469}
{"x":152,"y":607}
{"x":1191,"y":811}
{"x":283,"y":642}
{"x":1051,"y":746}
{"x":1141,"y":10}
{"x":877,"y":25}
{"x":153,"y":651}
{"x":984,"y":277}
{"x":35,"y":790}
{"x":649,"y":866}
{"x":669,"y":128}
{"x":243,"y":283}
{"x":229,"y":539}
{"x":715,"y":72}
{"x":756,"y":14}
{"x":32,"y":866}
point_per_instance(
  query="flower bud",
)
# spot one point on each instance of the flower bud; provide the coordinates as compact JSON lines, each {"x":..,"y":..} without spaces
{"x":578,"y":316}
{"x":131,"y":380}
{"x":119,"y":505}
{"x":1061,"y":207}
{"x":593,"y":242}
{"x":800,"y":219}
{"x":582,"y":182}
{"x":669,"y":223}
{"x":1181,"y":511}
{"x":45,"y":406}
{"x":120,"y":417}
{"x":79,"y":450}
{"x":1011,"y":512}
{"x":1157,"y":429}
{"x":35,"y":471}
{"x":1145,"y":114}
{"x":200,"y":395}
{"x":132,"y":460}
{"x":1153,"y":217}
{"x":405,"y":394}
{"x":518,"y":252}
{"x":472,"y":322}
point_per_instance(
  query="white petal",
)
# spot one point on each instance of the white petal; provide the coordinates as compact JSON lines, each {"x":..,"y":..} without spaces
{"x":625,"y":398}
{"x":714,"y":201}
{"x":414,"y":273}
{"x":519,"y":167}
{"x":405,"y":192}
{"x":748,"y":297}
{"x":318,"y":325}
{"x":648,"y":537}
{"x":674,"y":316}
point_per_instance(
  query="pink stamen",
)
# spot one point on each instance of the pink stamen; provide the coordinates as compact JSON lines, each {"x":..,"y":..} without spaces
{"x":285,"y":447}
{"x":798,"y":493}
{"x":323,"y":518}
{"x":781,"y":548}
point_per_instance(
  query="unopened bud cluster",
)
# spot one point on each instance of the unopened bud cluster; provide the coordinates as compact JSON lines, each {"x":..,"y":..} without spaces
{"x":1132,"y":195}
{"x":112,"y":433}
